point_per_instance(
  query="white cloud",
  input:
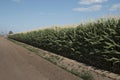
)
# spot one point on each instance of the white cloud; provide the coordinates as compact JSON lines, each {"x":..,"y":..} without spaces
{"x":88,"y":9}
{"x":87,"y":2}
{"x":16,"y":1}
{"x":115,"y":7}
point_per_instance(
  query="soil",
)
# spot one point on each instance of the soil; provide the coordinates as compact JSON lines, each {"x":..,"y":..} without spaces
{"x":17,"y":63}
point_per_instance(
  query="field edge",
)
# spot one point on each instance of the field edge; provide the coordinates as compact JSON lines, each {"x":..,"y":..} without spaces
{"x":79,"y":69}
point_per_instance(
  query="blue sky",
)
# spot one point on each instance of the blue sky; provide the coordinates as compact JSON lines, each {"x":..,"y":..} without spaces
{"x":23,"y":15}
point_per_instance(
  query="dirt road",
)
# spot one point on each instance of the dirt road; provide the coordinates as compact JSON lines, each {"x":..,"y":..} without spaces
{"x":17,"y":63}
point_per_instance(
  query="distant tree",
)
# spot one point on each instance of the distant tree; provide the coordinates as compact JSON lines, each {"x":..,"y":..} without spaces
{"x":10,"y":32}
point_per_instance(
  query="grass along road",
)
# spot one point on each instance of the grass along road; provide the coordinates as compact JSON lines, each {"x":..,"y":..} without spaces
{"x":83,"y":71}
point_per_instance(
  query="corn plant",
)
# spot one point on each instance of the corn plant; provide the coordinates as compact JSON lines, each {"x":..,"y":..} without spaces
{"x":95,"y":43}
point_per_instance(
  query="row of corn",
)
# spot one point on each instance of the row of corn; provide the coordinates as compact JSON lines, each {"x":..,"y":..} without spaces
{"x":95,"y":43}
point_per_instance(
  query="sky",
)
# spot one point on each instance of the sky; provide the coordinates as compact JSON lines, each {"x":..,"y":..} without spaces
{"x":24,"y":15}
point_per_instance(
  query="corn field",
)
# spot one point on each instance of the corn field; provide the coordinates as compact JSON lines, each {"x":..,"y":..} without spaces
{"x":95,"y":43}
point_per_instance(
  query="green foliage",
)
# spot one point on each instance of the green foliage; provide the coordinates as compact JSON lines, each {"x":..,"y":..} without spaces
{"x":10,"y":32}
{"x":87,"y":76}
{"x":96,"y":43}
